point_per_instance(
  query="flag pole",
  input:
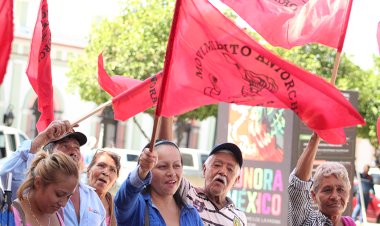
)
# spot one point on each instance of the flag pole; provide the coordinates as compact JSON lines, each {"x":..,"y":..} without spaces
{"x":168,"y":57}
{"x":341,"y":43}
{"x":99,"y":108}
{"x":335,"y":68}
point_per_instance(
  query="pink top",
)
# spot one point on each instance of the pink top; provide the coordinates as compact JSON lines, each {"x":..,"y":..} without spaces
{"x":19,"y":223}
{"x":348,"y":221}
{"x":108,"y":221}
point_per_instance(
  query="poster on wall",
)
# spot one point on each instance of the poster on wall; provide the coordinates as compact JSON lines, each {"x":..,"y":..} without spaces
{"x":262,"y":189}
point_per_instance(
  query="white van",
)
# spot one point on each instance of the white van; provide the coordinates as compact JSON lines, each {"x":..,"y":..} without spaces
{"x":10,"y":139}
{"x":193,"y":160}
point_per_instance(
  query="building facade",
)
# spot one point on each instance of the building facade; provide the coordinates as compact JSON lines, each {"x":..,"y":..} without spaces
{"x":70,"y":24}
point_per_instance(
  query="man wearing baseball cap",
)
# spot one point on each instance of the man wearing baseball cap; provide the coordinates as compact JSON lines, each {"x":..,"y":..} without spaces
{"x":84,"y":207}
{"x":221,"y":171}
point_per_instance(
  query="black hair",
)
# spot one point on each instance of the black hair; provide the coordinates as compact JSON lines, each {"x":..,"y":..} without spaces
{"x":160,"y":142}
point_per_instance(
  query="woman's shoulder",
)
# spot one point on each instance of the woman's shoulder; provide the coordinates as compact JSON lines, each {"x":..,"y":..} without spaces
{"x":189,"y":208}
{"x":348,"y":221}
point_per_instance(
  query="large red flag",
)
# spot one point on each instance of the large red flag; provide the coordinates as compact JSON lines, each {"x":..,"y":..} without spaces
{"x":6,"y":35}
{"x":130,"y":96}
{"x":211,"y":60}
{"x":298,"y":22}
{"x":39,"y":67}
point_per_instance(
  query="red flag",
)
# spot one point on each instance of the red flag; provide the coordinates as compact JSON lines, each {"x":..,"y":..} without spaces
{"x":298,"y":22}
{"x":212,"y":61}
{"x":6,"y":35}
{"x":378,"y":35}
{"x":116,"y":84}
{"x":39,"y":67}
{"x":130,"y":96}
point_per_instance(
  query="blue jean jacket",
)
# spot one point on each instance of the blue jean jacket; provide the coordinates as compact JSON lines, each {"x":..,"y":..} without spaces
{"x":130,"y":205}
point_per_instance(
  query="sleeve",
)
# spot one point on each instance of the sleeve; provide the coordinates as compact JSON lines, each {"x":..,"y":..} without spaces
{"x":127,"y":202}
{"x":300,"y":201}
{"x":17,"y":163}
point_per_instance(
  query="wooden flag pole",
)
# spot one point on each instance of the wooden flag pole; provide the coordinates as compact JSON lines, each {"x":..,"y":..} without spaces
{"x":335,"y":68}
{"x":156,"y":125}
{"x":168,"y":57}
{"x":341,"y":43}
{"x":99,"y":108}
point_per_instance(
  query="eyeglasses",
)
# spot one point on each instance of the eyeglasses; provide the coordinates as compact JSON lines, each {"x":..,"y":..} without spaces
{"x":113,"y":155}
{"x":116,"y":158}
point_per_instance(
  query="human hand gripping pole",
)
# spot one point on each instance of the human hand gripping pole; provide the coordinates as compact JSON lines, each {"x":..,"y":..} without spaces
{"x":148,"y":159}
{"x":305,"y":162}
{"x":56,"y":130}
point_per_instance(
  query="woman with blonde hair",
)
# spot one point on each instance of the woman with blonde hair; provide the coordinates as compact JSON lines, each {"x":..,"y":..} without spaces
{"x":50,"y":182}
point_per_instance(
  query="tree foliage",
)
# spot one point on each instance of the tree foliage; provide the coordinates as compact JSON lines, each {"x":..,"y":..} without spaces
{"x":134,"y":45}
{"x":320,"y":60}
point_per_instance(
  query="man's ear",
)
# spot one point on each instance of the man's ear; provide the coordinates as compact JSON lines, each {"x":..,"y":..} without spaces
{"x":204,"y":170}
{"x":313,"y":195}
{"x":237,"y":179}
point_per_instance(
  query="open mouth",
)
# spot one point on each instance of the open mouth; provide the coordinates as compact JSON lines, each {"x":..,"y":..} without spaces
{"x":103,"y":181}
{"x":171,"y":182}
{"x":222,"y":180}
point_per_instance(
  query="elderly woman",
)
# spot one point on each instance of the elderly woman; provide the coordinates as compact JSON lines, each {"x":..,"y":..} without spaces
{"x":329,"y":189}
{"x":102,"y":173}
{"x":150,"y":194}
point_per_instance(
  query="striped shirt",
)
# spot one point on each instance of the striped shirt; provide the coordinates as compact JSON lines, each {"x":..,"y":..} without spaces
{"x":210,"y":214}
{"x":300,"y":208}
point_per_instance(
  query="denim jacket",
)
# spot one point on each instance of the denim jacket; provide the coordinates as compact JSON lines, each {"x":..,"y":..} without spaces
{"x":130,"y":202}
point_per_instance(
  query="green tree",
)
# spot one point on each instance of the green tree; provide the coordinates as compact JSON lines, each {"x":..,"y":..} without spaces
{"x":320,"y":60}
{"x":134,"y":44}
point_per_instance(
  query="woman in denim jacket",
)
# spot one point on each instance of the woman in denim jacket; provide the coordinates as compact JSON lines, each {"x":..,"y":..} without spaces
{"x":149,"y":196}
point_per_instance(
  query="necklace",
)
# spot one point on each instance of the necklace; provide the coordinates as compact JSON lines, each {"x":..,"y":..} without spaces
{"x":30,"y":208}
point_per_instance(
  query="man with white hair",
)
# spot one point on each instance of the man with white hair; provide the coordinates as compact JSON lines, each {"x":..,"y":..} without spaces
{"x":221,"y":171}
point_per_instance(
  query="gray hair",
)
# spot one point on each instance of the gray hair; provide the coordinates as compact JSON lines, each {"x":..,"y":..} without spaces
{"x":207,"y":162}
{"x":327,"y":169}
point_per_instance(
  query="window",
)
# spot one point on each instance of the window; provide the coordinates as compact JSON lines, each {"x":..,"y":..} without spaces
{"x":203,"y":158}
{"x":2,"y":145}
{"x":187,"y":160}
{"x":132,"y":158}
{"x":12,"y":142}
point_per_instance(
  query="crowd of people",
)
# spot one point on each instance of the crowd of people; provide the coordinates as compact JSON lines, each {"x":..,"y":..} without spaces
{"x":49,"y":192}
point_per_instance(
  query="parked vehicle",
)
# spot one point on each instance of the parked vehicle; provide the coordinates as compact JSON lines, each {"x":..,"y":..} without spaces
{"x":373,"y":209}
{"x":193,"y":160}
{"x":10,"y":139}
